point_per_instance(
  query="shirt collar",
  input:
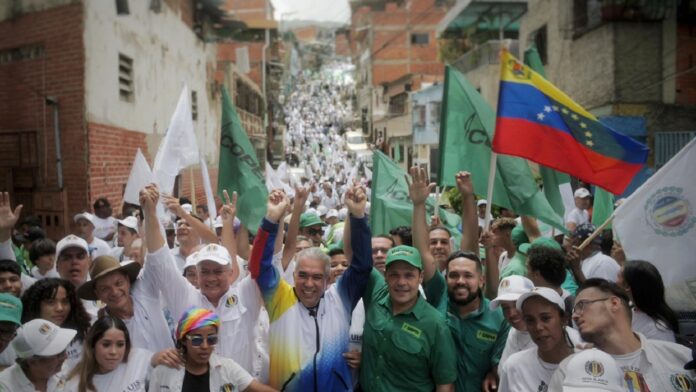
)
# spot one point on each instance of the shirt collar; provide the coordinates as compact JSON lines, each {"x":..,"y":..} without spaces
{"x":417,"y":310}
{"x":476,"y":313}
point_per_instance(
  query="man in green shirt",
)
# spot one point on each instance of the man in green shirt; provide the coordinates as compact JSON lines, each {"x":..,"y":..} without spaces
{"x":406,"y":343}
{"x":479,"y":333}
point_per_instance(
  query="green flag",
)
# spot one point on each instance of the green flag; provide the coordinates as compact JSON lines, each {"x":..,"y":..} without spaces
{"x":239,"y":170}
{"x":553,"y":180}
{"x":466,"y":132}
{"x":391,"y":206}
{"x":603,"y":207}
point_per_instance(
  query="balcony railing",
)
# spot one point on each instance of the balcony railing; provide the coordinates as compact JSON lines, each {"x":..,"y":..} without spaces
{"x":487,"y":53}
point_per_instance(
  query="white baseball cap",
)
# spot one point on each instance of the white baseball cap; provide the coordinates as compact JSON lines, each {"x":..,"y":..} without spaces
{"x":191,"y":261}
{"x":510,"y":289}
{"x":217,"y":223}
{"x":130,"y":222}
{"x":322,"y":210}
{"x":187,"y":207}
{"x":84,"y":215}
{"x":592,"y":370}
{"x":333,"y":213}
{"x":214,"y":252}
{"x":42,"y":338}
{"x":481,"y":202}
{"x":548,"y":294}
{"x":71,"y":241}
{"x":581,"y":193}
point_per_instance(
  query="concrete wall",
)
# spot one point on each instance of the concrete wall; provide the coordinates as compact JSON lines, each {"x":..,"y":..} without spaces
{"x":166,"y":56}
{"x":15,"y":8}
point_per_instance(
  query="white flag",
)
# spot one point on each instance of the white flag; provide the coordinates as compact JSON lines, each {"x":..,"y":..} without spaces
{"x":212,"y":208}
{"x":657,"y":223}
{"x":139,"y":177}
{"x":179,"y":148}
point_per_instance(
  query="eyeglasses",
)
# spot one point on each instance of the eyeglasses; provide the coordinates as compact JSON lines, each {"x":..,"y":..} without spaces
{"x":580,"y":305}
{"x":197,"y":340}
{"x":315,"y":231}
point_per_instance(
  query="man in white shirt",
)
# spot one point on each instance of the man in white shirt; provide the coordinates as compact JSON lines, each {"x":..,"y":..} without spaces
{"x":579,"y":215}
{"x":127,"y":233}
{"x":603,"y":316}
{"x":590,"y":262}
{"x":238,"y":306}
{"x":104,"y":222}
{"x":85,"y":225}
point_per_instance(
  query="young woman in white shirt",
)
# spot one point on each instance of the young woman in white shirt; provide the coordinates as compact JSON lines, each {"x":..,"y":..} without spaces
{"x":544,"y":314}
{"x":108,"y":362}
{"x":197,"y":335}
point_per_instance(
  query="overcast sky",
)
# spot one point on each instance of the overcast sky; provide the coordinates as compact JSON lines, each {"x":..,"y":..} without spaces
{"x":319,"y":10}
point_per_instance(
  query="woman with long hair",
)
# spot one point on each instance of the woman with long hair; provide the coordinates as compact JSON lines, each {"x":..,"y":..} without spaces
{"x":544,"y":314}
{"x":55,"y":300}
{"x":108,"y":361}
{"x":197,"y":335}
{"x":652,"y":316}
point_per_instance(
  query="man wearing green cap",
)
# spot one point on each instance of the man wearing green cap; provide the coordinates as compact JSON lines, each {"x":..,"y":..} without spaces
{"x":406,"y":343}
{"x":311,"y":227}
{"x":10,"y":315}
{"x":479,"y":333}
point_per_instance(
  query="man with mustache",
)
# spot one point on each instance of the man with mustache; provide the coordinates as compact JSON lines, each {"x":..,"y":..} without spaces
{"x":479,"y":333}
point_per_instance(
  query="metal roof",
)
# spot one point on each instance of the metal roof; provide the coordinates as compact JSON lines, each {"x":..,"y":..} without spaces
{"x":483,"y":15}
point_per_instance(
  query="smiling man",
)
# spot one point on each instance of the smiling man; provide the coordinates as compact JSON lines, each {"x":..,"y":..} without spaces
{"x":310,"y":321}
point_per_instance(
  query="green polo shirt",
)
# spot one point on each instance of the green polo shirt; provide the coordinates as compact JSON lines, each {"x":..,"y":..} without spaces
{"x":479,"y":337}
{"x":412,"y":351}
{"x":516,"y":266}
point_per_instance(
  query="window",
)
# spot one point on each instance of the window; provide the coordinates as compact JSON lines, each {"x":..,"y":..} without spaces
{"x":419,"y":115}
{"x":540,"y":40}
{"x":122,"y":7}
{"x":194,"y":105}
{"x":125,"y":77}
{"x":397,"y":104}
{"x":435,"y":112}
{"x":419,"y":38}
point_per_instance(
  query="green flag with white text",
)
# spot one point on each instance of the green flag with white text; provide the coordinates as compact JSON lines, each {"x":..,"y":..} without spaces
{"x":239,"y":170}
{"x":390,"y":205}
{"x":466,"y":131}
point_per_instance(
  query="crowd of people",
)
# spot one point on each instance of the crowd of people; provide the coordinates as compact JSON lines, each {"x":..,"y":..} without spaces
{"x":315,"y":301}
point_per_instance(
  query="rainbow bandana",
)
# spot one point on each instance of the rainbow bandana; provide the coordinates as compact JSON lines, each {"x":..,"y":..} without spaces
{"x":195,"y":318}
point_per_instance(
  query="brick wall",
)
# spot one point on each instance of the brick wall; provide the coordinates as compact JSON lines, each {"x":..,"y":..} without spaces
{"x":58,"y":73}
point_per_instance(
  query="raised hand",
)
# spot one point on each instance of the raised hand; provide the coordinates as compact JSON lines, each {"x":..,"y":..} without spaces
{"x":356,"y":200}
{"x":276,"y":206}
{"x":229,"y":208}
{"x":464,"y":184}
{"x":301,"y":196}
{"x":419,"y":189}
{"x":148,"y":199}
{"x":172,"y":204}
{"x":8,"y":217}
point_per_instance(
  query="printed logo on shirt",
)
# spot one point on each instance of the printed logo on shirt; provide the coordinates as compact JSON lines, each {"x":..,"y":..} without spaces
{"x":231,"y":301}
{"x":681,"y":382}
{"x":594,"y":368}
{"x":634,"y":381}
{"x":228,"y":388}
{"x":543,"y":387}
{"x":406,"y":327}
{"x":486,"y":335}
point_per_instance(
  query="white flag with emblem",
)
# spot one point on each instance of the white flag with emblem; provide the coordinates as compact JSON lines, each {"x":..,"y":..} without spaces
{"x":657,"y":223}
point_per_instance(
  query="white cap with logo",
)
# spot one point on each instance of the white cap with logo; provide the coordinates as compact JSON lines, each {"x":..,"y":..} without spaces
{"x":84,"y":215}
{"x":42,"y":338}
{"x":71,"y":241}
{"x":592,"y":370}
{"x":214,"y":252}
{"x":581,"y":193}
{"x":510,"y":289}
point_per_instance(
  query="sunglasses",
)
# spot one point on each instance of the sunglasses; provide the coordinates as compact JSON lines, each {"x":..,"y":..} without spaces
{"x":315,"y":231}
{"x":197,"y":340}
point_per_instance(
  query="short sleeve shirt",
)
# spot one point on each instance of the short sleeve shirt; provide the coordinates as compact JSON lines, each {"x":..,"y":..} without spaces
{"x":410,"y":351}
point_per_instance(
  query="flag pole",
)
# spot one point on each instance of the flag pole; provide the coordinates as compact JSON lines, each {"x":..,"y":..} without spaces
{"x":597,"y":232}
{"x":489,"y":194}
{"x":193,"y":190}
{"x":437,"y":201}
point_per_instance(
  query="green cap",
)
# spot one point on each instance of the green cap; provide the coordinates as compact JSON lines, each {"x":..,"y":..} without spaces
{"x":309,"y":219}
{"x":10,"y":308}
{"x":406,"y":254}
{"x":544,"y":242}
{"x":518,"y":235}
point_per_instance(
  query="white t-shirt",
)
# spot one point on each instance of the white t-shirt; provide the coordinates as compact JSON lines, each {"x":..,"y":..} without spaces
{"x":52,"y":273}
{"x":651,"y":328}
{"x":98,"y":247}
{"x":577,"y":216}
{"x":503,"y":261}
{"x":225,"y":375}
{"x":104,"y":227}
{"x":129,"y":376}
{"x":13,"y":379}
{"x":521,"y":340}
{"x":526,"y":372}
{"x":600,"y":265}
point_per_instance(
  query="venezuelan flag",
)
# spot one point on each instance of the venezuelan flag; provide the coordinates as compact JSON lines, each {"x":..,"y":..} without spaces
{"x":539,"y":122}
